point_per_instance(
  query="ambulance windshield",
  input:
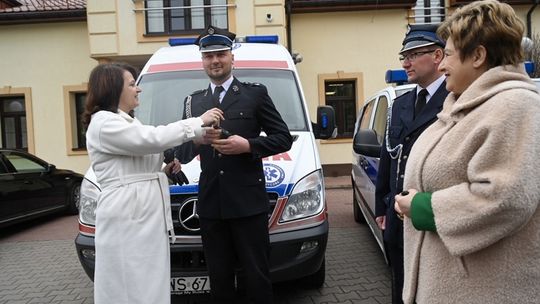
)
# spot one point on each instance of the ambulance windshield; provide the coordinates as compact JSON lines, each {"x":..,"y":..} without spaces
{"x":163,"y":94}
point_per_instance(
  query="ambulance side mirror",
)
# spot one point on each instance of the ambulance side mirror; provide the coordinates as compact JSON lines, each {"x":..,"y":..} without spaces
{"x":325,"y":127}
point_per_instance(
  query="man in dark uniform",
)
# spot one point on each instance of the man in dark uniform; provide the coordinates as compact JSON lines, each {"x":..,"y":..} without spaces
{"x":411,"y":114}
{"x":233,"y":204}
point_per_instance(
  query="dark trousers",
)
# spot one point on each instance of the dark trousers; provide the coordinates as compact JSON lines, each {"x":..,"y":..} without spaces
{"x":395,"y":255}
{"x":243,"y":242}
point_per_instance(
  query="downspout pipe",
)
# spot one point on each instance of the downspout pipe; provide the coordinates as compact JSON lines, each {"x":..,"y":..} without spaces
{"x":529,"y":16}
{"x":288,"y":9}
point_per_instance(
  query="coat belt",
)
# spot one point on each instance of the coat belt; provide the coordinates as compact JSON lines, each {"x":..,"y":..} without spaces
{"x":163,"y":182}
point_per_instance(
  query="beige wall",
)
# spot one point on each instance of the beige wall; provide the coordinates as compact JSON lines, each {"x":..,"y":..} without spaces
{"x":364,"y":42}
{"x":45,"y":58}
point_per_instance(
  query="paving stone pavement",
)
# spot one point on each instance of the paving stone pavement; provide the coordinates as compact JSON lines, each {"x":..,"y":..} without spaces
{"x":48,"y":271}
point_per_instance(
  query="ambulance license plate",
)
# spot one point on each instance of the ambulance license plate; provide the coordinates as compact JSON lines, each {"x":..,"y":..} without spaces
{"x":190,"y":285}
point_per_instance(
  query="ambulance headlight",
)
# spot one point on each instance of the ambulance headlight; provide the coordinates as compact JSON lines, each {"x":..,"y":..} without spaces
{"x":89,"y":195}
{"x":306,"y":199}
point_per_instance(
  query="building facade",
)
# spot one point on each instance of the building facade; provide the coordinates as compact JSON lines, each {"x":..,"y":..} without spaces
{"x":48,"y":48}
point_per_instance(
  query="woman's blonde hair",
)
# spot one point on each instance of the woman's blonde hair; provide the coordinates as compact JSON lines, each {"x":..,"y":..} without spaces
{"x":489,"y":23}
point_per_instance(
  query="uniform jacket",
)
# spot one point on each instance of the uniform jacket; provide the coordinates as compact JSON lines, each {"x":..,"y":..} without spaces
{"x":232,"y":186}
{"x":132,"y":246}
{"x":403,"y":130}
{"x":480,"y":162}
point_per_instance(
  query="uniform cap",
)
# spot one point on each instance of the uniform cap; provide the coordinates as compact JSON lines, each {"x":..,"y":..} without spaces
{"x":214,"y":39}
{"x":420,"y":35}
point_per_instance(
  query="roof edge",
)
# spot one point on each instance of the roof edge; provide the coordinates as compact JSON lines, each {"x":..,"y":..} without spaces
{"x":43,"y":17}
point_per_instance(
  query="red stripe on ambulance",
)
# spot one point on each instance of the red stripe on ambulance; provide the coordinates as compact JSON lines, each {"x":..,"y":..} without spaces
{"x":197,"y":65}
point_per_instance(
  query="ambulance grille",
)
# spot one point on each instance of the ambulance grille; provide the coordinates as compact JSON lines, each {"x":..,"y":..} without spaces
{"x":182,"y":211}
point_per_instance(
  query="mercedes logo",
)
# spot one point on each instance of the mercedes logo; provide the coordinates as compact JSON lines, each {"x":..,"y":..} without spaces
{"x":187,"y":215}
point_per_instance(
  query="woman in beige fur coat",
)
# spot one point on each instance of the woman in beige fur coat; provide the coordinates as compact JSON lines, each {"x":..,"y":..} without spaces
{"x":472,"y":226}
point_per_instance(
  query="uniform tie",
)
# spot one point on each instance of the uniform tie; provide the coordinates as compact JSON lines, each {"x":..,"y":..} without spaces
{"x":215,"y":95}
{"x":420,"y":102}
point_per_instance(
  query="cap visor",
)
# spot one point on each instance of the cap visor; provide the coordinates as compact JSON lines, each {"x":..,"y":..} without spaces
{"x":414,"y":45}
{"x":214,"y":48}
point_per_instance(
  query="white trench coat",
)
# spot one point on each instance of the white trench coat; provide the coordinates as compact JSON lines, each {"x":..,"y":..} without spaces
{"x":133,"y":209}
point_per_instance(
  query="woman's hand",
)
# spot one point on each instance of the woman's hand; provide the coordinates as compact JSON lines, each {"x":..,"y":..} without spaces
{"x":403,"y":203}
{"x":173,"y":167}
{"x":212,"y":117}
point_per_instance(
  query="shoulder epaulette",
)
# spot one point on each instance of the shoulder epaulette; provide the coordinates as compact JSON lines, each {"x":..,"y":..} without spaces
{"x":252,"y":84}
{"x":198,"y":92}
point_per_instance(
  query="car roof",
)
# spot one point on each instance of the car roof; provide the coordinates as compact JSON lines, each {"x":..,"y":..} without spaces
{"x":246,"y":55}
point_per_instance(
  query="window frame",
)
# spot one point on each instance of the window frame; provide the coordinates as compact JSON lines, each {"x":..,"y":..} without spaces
{"x":188,"y":23}
{"x":26,"y":93}
{"x":340,"y":104}
{"x":72,"y":120}
{"x":339,"y":76}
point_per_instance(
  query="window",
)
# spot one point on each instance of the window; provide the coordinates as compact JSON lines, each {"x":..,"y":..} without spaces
{"x":80,"y":100}
{"x":342,"y":96}
{"x":429,"y":12}
{"x":366,"y":115}
{"x":184,"y":16}
{"x":13,"y":122}
{"x":23,"y":164}
{"x":379,"y":125}
{"x":74,"y":102}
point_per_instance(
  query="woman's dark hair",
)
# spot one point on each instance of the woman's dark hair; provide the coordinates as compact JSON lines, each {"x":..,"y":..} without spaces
{"x":105,"y":86}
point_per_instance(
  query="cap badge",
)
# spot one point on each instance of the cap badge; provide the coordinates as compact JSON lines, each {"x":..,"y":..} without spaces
{"x":211,"y":30}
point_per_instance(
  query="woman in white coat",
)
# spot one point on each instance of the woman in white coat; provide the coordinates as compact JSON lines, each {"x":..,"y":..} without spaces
{"x":133,"y":215}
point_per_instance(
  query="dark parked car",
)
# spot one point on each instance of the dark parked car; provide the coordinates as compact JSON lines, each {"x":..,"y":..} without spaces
{"x":30,"y":187}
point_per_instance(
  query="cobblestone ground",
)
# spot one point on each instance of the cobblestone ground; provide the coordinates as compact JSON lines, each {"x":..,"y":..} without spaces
{"x":48,"y":271}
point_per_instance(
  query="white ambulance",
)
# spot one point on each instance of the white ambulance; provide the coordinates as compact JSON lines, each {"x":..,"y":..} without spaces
{"x":298,"y":221}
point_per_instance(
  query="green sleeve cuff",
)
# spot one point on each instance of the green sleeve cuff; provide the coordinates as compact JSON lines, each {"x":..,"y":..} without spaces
{"x":421,"y":212}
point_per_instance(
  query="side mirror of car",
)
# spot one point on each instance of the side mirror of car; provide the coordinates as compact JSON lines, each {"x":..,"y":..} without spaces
{"x":366,"y":143}
{"x":50,"y":167}
{"x":325,"y":127}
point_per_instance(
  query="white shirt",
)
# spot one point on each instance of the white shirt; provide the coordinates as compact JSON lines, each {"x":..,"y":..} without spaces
{"x":225,"y":86}
{"x":432,"y":88}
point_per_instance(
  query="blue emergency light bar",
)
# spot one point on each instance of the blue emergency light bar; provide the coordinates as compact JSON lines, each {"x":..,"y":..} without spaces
{"x":181,"y":41}
{"x":396,"y":76}
{"x":272,"y":39}
{"x":263,"y":39}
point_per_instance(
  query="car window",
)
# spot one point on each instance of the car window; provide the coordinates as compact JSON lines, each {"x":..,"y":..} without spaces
{"x":366,"y":115}
{"x":163,"y":94}
{"x":379,"y":124}
{"x":23,"y":164}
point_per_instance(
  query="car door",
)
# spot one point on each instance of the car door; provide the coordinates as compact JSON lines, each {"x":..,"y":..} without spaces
{"x":26,"y":188}
{"x":365,"y":167}
{"x":371,"y":126}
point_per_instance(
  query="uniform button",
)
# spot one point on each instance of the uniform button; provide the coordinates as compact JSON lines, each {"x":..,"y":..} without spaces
{"x":401,"y":176}
{"x":407,"y":138}
{"x":260,"y":180}
{"x":241,"y":113}
{"x":404,"y":156}
{"x":219,"y":155}
{"x":221,"y":172}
